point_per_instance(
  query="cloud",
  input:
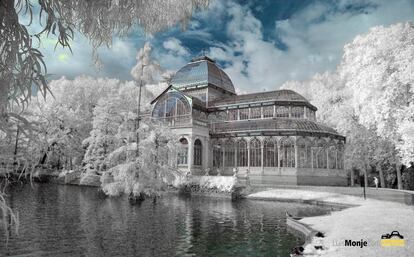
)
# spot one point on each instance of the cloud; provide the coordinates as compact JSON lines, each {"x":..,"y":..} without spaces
{"x":259,"y":47}
{"x":313,"y":38}
{"x":175,"y":47}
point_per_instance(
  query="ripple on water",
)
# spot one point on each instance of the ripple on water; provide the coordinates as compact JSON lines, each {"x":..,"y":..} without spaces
{"x":73,"y":221}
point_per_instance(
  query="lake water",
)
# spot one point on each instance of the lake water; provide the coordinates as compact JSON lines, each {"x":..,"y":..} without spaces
{"x":57,"y":220}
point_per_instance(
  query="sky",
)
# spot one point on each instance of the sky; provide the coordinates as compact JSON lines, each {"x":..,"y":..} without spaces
{"x":260,"y":44}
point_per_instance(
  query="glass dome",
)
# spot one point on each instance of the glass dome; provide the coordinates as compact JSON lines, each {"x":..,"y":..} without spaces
{"x":202,"y":71}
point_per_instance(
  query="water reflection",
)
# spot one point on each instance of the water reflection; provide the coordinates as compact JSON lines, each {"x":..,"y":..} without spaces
{"x":74,"y":221}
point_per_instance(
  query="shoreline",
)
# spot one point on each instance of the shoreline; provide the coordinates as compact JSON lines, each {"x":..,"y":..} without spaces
{"x":364,"y":220}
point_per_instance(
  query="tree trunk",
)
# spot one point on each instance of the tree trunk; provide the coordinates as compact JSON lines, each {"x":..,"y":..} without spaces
{"x":381,"y":176}
{"x":16,"y":144}
{"x":352,"y":178}
{"x":366,"y":177}
{"x":399,"y":180}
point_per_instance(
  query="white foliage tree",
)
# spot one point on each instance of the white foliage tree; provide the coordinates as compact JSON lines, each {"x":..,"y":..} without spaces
{"x":143,"y":169}
{"x":103,"y":140}
{"x":64,"y":120}
{"x":146,"y":173}
{"x":377,"y":68}
{"x":370,"y":98}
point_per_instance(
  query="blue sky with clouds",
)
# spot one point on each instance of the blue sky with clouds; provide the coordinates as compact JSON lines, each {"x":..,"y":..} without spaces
{"x":259,"y":43}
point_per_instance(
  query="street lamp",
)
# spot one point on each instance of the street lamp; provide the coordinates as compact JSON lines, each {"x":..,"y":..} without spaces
{"x":139,"y":105}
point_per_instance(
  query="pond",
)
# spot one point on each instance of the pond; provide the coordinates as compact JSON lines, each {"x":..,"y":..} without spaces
{"x":57,"y":220}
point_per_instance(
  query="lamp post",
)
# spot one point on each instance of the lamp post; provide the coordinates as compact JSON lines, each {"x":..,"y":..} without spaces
{"x":139,"y":106}
{"x":365,"y":181}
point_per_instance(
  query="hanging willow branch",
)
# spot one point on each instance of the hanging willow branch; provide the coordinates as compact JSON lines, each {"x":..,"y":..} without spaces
{"x":22,"y":67}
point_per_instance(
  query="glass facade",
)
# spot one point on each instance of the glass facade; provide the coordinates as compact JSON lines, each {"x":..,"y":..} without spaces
{"x":172,"y":108}
{"x":268,"y":111}
{"x":282,"y":111}
{"x":255,"y":112}
{"x":255,"y":153}
{"x":230,"y":153}
{"x":242,"y":153}
{"x":202,"y":71}
{"x":298,"y":112}
{"x":270,"y":153}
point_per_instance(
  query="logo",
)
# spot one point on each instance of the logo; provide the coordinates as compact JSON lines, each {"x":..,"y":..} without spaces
{"x":392,"y":239}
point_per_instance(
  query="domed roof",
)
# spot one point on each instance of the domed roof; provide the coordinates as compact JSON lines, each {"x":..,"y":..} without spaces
{"x":202,"y":71}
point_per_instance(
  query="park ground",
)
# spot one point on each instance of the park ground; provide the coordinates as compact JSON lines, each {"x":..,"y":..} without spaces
{"x":367,"y":220}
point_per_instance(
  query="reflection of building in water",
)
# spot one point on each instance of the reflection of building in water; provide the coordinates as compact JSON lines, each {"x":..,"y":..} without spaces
{"x":272,"y":137}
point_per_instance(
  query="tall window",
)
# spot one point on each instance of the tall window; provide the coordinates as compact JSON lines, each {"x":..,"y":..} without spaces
{"x":232,"y":114}
{"x":198,"y":152}
{"x":181,"y":108}
{"x":298,"y":112}
{"x":244,"y":114}
{"x":302,"y":159}
{"x":340,"y":162}
{"x":308,"y":155}
{"x":288,"y":154}
{"x":182,"y":152}
{"x":268,"y":111}
{"x":255,"y":112}
{"x":332,"y":155}
{"x":242,"y":153}
{"x":270,"y":153}
{"x":255,"y":153}
{"x":217,"y":155}
{"x":229,"y":154}
{"x":282,"y":111}
{"x":320,"y":155}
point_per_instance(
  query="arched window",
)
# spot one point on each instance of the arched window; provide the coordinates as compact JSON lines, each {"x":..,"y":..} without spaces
{"x":270,"y":153}
{"x":320,"y":155}
{"x":242,"y":153}
{"x":217,"y":155}
{"x":255,"y":153}
{"x":229,"y":154}
{"x":171,"y":107}
{"x":332,"y":155}
{"x":302,"y":158}
{"x":198,"y":152}
{"x":288,"y":154}
{"x":182,"y":152}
